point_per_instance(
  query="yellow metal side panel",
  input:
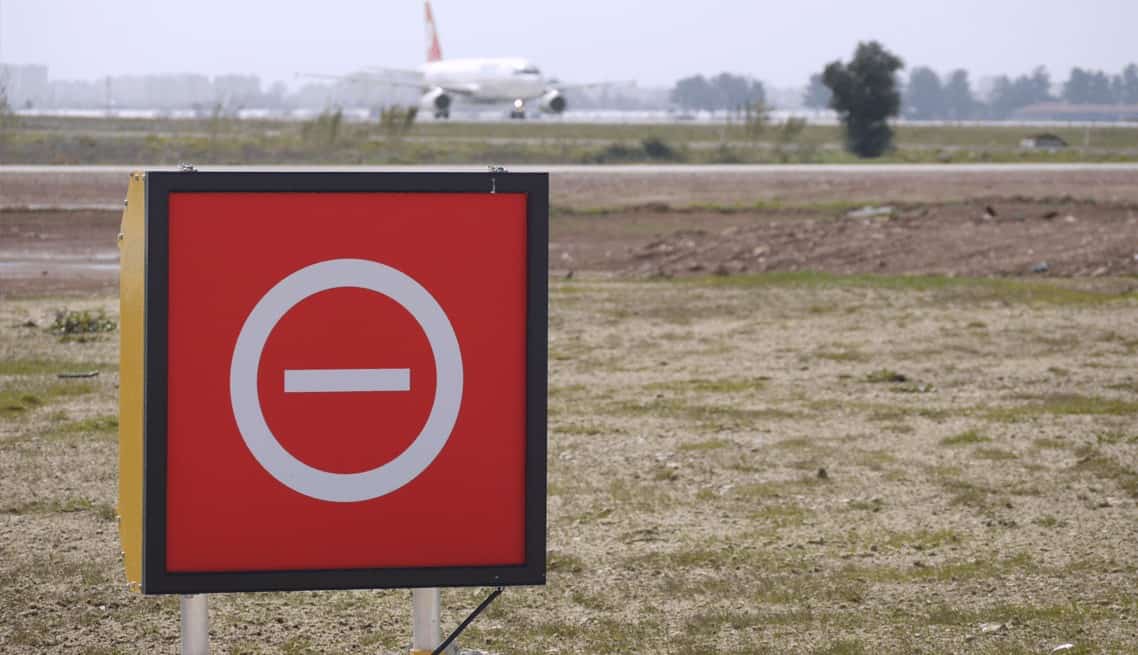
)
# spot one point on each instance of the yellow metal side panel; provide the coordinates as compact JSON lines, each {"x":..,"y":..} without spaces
{"x":132,"y":260}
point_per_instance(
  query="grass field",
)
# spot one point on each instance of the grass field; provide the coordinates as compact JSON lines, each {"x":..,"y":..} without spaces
{"x":221,"y":140}
{"x":782,"y":463}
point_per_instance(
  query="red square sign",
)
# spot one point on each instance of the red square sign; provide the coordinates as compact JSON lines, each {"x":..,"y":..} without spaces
{"x":343,"y":381}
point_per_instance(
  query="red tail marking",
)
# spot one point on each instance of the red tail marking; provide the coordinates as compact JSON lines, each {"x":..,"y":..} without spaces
{"x":434,"y":51}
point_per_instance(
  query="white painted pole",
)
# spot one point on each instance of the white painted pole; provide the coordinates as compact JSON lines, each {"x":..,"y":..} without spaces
{"x":195,"y":625}
{"x":425,"y":636}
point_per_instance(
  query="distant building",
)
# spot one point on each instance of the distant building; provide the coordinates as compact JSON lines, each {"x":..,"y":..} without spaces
{"x":29,"y":87}
{"x":24,"y":86}
{"x":176,"y":91}
{"x":237,"y":90}
{"x":76,"y":94}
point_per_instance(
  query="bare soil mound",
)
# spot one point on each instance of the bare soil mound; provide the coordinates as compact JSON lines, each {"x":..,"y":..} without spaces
{"x":983,"y":237}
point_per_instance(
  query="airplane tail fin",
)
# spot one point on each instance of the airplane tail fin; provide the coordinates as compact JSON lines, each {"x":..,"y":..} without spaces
{"x":434,"y":51}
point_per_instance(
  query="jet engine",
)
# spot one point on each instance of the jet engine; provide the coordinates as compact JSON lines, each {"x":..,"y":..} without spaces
{"x":552,"y":102}
{"x":437,"y":101}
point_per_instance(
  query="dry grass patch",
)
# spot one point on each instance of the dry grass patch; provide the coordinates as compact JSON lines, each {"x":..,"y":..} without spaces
{"x":689,"y":424}
{"x":965,"y":438}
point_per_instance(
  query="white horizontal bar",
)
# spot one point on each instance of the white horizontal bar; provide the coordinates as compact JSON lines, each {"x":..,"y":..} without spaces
{"x":333,"y":380}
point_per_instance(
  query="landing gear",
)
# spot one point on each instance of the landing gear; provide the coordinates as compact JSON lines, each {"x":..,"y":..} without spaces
{"x":442,"y":114}
{"x":519,"y":110}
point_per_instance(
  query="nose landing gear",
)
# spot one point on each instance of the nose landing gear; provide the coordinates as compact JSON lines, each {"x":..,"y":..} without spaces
{"x":519,"y":109}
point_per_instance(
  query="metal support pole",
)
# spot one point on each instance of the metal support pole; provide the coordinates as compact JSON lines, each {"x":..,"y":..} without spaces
{"x":425,"y":635}
{"x":195,"y":625}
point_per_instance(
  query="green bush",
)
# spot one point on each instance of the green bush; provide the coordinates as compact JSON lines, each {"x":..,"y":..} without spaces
{"x":70,"y":322}
{"x":659,"y":149}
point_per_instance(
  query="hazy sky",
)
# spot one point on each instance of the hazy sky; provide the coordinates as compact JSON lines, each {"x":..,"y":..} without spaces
{"x":652,"y":41}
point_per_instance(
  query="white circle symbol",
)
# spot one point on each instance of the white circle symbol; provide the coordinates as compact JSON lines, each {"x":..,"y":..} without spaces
{"x":246,"y":401}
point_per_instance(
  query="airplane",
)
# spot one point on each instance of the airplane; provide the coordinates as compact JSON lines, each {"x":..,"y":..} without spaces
{"x":510,"y":80}
{"x":489,"y":81}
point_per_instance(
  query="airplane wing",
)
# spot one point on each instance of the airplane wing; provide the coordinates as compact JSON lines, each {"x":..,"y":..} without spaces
{"x":395,"y":72}
{"x":366,"y":78}
{"x":385,"y":76}
{"x":553,"y":84}
{"x":460,"y":90}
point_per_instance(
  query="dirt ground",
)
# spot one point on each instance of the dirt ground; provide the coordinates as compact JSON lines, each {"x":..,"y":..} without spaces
{"x":789,"y":462}
{"x":57,"y":231}
{"x":58,"y":252}
{"x":49,"y":251}
{"x":992,"y":237}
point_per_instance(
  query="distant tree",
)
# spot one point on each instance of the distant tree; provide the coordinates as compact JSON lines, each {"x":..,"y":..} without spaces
{"x":1101,"y":92}
{"x":737,"y":91}
{"x":865,"y":97}
{"x":1096,"y":87}
{"x":1087,"y":87}
{"x":693,"y":93}
{"x":724,"y":91}
{"x":924,"y":95}
{"x":1129,"y":84}
{"x":1009,"y":95}
{"x":1079,"y":87}
{"x":1037,"y":88}
{"x":959,"y":104}
{"x":1002,"y":101}
{"x":817,"y":94}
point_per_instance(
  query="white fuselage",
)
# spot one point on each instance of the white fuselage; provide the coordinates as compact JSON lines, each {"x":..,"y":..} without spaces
{"x":486,"y":80}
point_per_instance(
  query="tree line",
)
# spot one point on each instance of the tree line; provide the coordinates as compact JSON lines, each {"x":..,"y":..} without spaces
{"x":927,"y":96}
{"x":868,"y":90}
{"x":723,"y":91}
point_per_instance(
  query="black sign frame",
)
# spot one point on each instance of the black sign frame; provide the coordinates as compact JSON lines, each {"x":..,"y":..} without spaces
{"x":156,"y":579}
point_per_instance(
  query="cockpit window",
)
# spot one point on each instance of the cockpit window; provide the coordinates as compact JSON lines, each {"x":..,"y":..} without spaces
{"x":528,"y":70}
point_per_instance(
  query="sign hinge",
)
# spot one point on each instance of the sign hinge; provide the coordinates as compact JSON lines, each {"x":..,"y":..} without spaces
{"x":493,"y":181}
